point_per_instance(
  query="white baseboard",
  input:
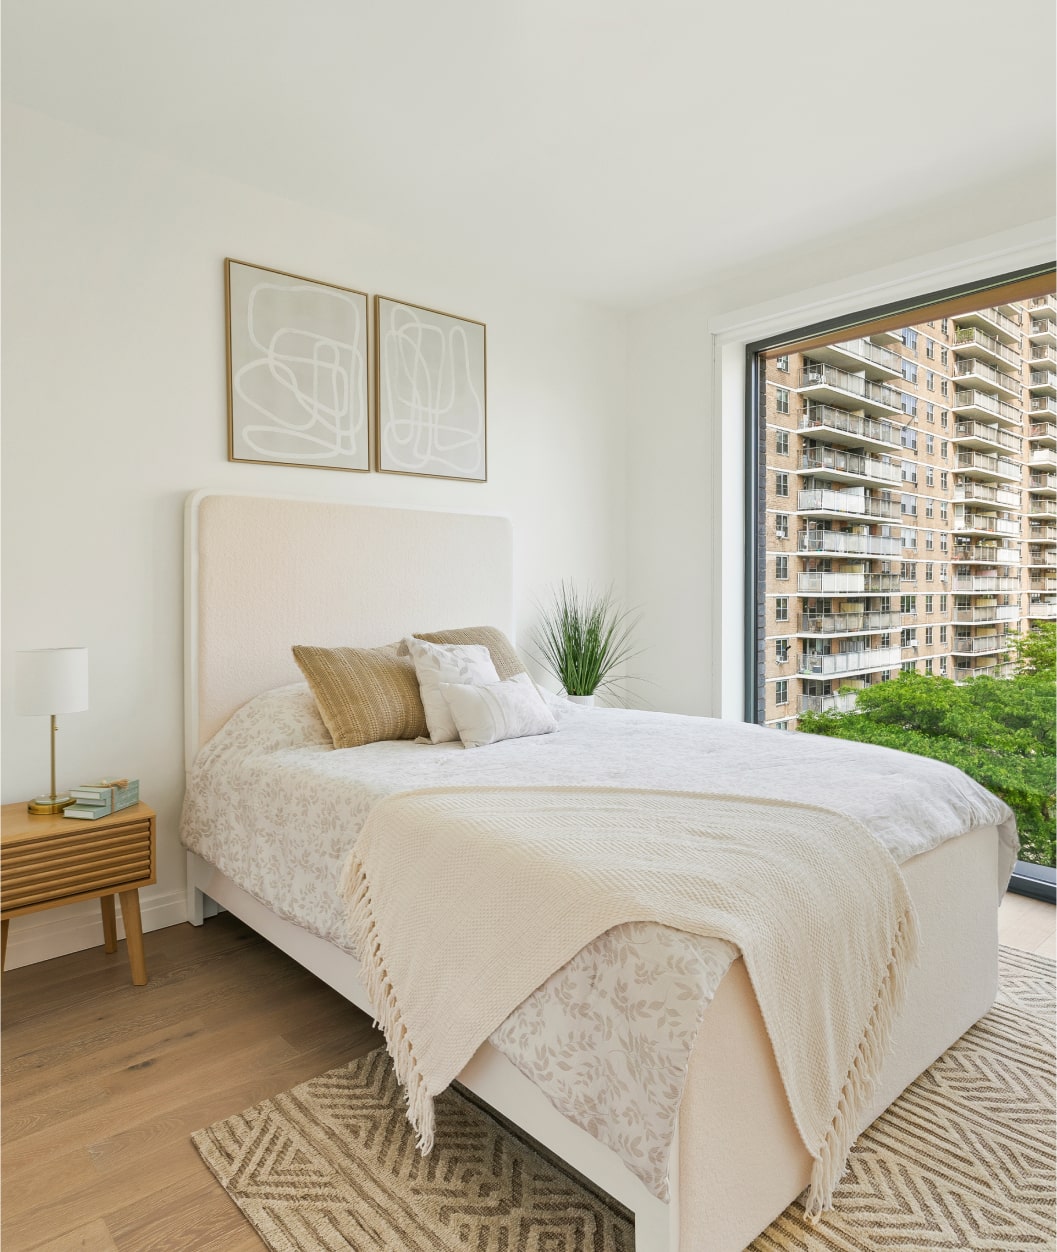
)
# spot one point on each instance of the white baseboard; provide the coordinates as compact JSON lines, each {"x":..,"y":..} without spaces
{"x":75,"y":927}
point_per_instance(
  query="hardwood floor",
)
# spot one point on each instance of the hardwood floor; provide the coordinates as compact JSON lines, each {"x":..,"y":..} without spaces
{"x":104,"y":1082}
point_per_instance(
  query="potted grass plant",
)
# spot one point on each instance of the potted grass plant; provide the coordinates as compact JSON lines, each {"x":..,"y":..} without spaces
{"x":584,"y":639}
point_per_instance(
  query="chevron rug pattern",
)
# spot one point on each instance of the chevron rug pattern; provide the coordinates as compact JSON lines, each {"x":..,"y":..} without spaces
{"x":964,"y":1160}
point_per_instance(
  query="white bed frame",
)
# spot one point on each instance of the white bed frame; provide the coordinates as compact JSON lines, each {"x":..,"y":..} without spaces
{"x":263,"y":573}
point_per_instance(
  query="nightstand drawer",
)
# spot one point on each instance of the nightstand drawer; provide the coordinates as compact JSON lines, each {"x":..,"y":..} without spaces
{"x":58,"y":866}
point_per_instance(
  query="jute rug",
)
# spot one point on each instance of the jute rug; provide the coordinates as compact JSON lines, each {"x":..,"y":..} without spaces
{"x":964,"y":1160}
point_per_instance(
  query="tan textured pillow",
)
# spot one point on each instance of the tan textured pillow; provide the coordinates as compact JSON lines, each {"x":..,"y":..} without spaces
{"x":506,"y":661}
{"x":364,"y":694}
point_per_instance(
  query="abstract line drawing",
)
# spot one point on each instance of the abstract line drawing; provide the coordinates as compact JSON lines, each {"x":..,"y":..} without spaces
{"x":431,"y":392}
{"x":297,"y":370}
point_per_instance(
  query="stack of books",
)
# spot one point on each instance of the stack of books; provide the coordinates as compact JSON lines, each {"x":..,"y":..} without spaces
{"x":98,"y":799}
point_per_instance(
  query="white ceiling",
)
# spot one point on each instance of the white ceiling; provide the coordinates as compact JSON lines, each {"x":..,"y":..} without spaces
{"x":621,"y":150}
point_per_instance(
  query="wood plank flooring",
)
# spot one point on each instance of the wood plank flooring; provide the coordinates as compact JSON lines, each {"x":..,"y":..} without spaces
{"x":104,"y":1082}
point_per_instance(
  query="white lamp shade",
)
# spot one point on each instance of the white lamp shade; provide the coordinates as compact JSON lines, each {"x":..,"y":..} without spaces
{"x":51,"y":680}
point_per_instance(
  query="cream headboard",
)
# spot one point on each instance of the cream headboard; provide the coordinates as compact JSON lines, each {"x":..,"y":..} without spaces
{"x":265,"y":572}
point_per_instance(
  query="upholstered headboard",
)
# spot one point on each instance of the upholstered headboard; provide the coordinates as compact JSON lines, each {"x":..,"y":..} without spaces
{"x":265,"y":572}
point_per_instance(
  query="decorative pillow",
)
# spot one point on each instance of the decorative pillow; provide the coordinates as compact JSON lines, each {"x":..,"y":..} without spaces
{"x":511,"y":709}
{"x":437,"y":663}
{"x":504,"y":657}
{"x":364,"y":694}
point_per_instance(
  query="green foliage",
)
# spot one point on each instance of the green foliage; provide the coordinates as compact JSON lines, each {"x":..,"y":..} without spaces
{"x":1036,"y":652}
{"x":583,"y":638}
{"x":999,"y":731}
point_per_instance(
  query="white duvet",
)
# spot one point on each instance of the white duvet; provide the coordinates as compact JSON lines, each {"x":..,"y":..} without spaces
{"x":273,"y":806}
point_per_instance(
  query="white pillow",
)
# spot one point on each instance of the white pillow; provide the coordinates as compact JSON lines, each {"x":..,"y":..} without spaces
{"x":511,"y":709}
{"x":437,"y":663}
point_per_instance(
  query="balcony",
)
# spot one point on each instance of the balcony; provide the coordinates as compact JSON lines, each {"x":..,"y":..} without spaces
{"x":985,"y":523}
{"x":973,"y":342}
{"x":849,"y":466}
{"x":1040,"y":507}
{"x":981,"y":404}
{"x":1044,"y":431}
{"x":1043,"y":406}
{"x":971,"y":669}
{"x":984,"y":584}
{"x":985,"y":554}
{"x":840,"y":426}
{"x":1043,"y":330}
{"x":993,"y":322}
{"x":859,"y":354}
{"x":1042,"y":610}
{"x":1042,"y":556}
{"x":999,"y":496}
{"x":845,"y":504}
{"x":1042,"y":482}
{"x":814,"y":663}
{"x":1043,"y":356}
{"x":1042,"y":530}
{"x":1043,"y":306}
{"x":847,"y":541}
{"x":833,"y":386}
{"x":842,"y":582}
{"x":1043,"y":459}
{"x":987,"y":466}
{"x":981,"y":434}
{"x":988,"y":613}
{"x":848,"y":623}
{"x":971,"y":369}
{"x":835,"y":703}
{"x":1042,"y":383}
{"x":979,"y":645}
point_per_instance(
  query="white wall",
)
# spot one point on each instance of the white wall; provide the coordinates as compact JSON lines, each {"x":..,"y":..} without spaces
{"x":115,"y":408}
{"x":685,"y":486}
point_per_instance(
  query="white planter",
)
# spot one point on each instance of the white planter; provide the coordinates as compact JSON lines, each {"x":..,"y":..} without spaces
{"x":587,"y":702}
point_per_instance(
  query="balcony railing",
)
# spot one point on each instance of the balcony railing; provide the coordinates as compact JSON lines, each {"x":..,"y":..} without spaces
{"x":992,"y":434}
{"x":969,"y":669}
{"x":984,"y":521}
{"x":850,"y":463}
{"x":813,"y":663}
{"x":988,"y":613}
{"x":1043,"y":430}
{"x":971,"y":399}
{"x":973,"y":645}
{"x":825,"y":500}
{"x":1042,"y":482}
{"x":1043,"y":378}
{"x":1039,"y":506}
{"x":984,"y":491}
{"x":829,"y":418}
{"x":1042,"y":530}
{"x":884,"y":357}
{"x":853,"y":384}
{"x":1043,"y":404}
{"x":977,"y":369}
{"x":847,"y":542}
{"x":1042,"y":326}
{"x":988,"y":462}
{"x":1042,"y":556}
{"x":836,"y":703}
{"x":1042,"y":610}
{"x":985,"y":554}
{"x":970,"y":335}
{"x":848,"y":623}
{"x":974,"y":586}
{"x":833,"y":582}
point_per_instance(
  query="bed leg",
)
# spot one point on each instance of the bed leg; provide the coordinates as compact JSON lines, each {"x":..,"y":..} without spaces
{"x":657,"y":1224}
{"x":197,"y":903}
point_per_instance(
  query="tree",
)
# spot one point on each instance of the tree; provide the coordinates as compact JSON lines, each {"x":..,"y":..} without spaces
{"x":1001,"y":732}
{"x":1037,"y":651}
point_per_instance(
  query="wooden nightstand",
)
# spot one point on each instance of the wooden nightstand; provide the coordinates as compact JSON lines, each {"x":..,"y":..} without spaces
{"x":47,"y":860}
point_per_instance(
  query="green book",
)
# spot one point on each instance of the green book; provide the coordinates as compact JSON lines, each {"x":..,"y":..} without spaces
{"x":86,"y":811}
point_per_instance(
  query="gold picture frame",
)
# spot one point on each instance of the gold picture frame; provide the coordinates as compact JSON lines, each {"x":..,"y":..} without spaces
{"x":298,"y":353}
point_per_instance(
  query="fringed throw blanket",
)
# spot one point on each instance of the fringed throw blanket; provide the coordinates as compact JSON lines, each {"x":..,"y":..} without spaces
{"x":464,"y":900}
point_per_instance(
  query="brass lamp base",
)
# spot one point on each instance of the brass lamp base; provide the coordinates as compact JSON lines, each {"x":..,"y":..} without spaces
{"x":49,"y":804}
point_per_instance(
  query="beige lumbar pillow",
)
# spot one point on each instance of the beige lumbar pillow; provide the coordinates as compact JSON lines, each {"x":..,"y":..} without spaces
{"x":504,"y":657}
{"x":437,"y":663}
{"x":487,"y":713}
{"x":364,"y":694}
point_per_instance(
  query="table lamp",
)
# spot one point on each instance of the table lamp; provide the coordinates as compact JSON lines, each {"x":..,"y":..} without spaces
{"x":49,"y":681}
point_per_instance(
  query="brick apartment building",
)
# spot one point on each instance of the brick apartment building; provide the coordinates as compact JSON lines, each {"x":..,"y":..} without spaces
{"x":910,"y":493}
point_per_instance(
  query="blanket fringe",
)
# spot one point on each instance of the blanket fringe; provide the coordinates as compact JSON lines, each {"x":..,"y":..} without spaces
{"x":383,"y":999}
{"x":861,"y":1082}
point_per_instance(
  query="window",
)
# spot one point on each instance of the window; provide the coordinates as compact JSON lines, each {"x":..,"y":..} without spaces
{"x":781,"y":484}
{"x":930,"y":380}
{"x":928,"y":665}
{"x":781,"y":651}
{"x":782,"y":725}
{"x":943,"y":449}
{"x":886,"y":675}
{"x":781,"y":567}
{"x":781,"y":525}
{"x":908,"y":506}
{"x":943,"y":634}
{"x":910,"y":371}
{"x":886,"y":639}
{"x":909,"y":338}
{"x":943,"y":480}
{"x":943,"y":533}
{"x":929,"y":539}
{"x":943,"y":510}
{"x":907,"y":604}
{"x":943,"y":604}
{"x":909,"y":667}
{"x":943,"y":327}
{"x":930,"y":444}
{"x":910,"y":538}
{"x":908,"y":438}
{"x":910,"y":407}
{"x":943,"y":665}
{"x":929,"y":602}
{"x":910,"y":471}
{"x":928,"y":513}
{"x":908,"y":571}
{"x":929,"y":477}
{"x":943,"y":573}
{"x":930,"y":412}
{"x":943,"y":386}
{"x":781,"y":608}
{"x":781,"y":400}
{"x":782,"y":363}
{"x":928,"y":634}
{"x":943,"y":419}
{"x":944,"y":353}
{"x":781,"y":441}
{"x":781,"y":691}
{"x":929,"y":570}
{"x":930,"y":348}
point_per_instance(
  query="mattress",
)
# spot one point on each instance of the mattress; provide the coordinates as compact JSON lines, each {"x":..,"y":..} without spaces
{"x":273,"y":806}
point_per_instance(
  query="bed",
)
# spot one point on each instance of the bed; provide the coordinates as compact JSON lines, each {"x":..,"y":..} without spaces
{"x":265,"y":572}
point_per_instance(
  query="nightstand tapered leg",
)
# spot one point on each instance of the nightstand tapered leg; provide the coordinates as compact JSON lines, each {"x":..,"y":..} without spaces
{"x":106,"y":905}
{"x":134,"y":936}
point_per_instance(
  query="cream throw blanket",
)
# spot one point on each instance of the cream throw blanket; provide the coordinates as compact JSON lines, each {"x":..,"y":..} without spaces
{"x":464,"y":900}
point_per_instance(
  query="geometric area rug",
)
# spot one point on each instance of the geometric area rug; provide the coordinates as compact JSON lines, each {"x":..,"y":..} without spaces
{"x":963,"y":1161}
